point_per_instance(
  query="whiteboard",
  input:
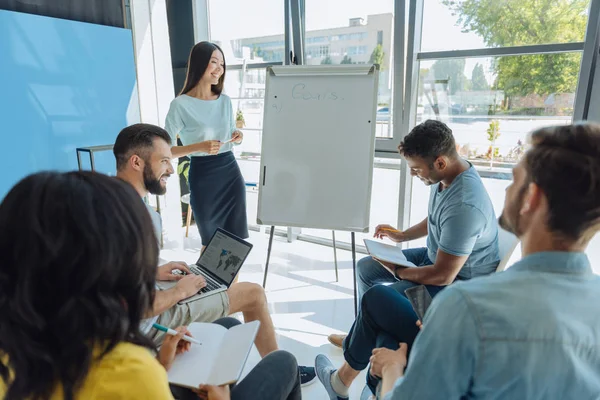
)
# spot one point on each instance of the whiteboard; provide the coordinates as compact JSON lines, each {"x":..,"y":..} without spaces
{"x":317,"y":147}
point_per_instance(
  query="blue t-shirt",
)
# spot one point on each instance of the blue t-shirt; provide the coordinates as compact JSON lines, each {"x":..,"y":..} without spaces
{"x":196,"y":121}
{"x":462,"y":222}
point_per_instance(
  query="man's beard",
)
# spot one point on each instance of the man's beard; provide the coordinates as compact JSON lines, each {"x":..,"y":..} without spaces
{"x":513,"y":210}
{"x":151,"y":183}
{"x":504,"y":223}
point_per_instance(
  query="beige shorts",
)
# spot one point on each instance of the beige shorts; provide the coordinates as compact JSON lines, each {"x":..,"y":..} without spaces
{"x":206,"y":309}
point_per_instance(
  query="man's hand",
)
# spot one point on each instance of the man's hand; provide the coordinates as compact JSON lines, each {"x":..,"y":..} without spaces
{"x":165,"y":272}
{"x":382,"y":231}
{"x":189,"y":285}
{"x":393,"y":268}
{"x":383,"y":359}
{"x":209,"y":392}
{"x":420,"y":325}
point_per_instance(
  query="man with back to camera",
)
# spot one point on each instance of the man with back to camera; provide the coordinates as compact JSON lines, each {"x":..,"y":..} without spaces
{"x":143,"y":155}
{"x":461,"y":226}
{"x":532,"y":331}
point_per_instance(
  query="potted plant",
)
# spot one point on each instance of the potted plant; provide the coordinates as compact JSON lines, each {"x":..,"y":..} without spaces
{"x":239,"y":119}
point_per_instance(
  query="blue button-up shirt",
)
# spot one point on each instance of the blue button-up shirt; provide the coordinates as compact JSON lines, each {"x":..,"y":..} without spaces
{"x":531,"y":332}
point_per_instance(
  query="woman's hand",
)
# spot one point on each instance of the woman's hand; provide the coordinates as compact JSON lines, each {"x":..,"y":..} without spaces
{"x":237,"y":136}
{"x":210,"y":146}
{"x":209,"y":392}
{"x":172,"y":346}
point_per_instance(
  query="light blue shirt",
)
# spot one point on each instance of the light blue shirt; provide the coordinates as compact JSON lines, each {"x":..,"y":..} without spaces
{"x":531,"y":332}
{"x":196,"y":121}
{"x":461,"y":222}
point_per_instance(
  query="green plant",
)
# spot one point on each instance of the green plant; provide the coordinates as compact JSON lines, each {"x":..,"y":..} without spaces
{"x":239,"y":116}
{"x":526,"y":22}
{"x":240,"y":122}
{"x":184,"y":169}
{"x":493,"y":131}
{"x":326,"y":60}
{"x":377,"y":56}
{"x":491,"y":156}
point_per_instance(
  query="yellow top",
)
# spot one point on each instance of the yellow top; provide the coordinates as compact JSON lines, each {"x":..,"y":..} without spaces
{"x":127,"y":372}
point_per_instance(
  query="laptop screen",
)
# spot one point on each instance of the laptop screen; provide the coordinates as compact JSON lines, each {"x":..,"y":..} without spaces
{"x":224,"y":255}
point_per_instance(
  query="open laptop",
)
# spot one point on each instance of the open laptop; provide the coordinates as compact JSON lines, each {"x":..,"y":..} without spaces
{"x":219,"y":264}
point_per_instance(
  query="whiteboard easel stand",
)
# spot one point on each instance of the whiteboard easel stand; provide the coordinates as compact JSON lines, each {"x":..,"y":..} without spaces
{"x":334,"y":259}
{"x":296,"y":94}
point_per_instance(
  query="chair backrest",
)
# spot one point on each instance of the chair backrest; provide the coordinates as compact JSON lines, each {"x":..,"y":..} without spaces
{"x":507,"y":243}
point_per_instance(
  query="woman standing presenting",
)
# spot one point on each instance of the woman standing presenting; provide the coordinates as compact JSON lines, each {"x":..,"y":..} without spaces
{"x":203,"y":118}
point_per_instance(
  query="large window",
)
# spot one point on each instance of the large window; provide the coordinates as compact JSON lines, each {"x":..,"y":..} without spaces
{"x":491,"y":104}
{"x":234,"y":24}
{"x":499,"y":70}
{"x":355,"y":32}
{"x":248,"y":47}
{"x":246,"y":87}
{"x":492,"y":70}
{"x":473,"y":24}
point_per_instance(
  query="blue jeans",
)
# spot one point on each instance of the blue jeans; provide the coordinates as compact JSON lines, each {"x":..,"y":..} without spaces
{"x":370,"y":273}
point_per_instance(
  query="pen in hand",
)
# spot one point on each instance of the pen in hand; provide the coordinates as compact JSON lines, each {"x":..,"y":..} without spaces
{"x":174,"y":333}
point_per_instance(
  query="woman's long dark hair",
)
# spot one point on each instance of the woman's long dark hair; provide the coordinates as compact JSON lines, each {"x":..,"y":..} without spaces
{"x":77,"y":275}
{"x":197,"y":64}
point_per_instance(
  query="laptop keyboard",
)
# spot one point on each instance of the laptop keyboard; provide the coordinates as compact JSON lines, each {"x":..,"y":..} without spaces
{"x":211,"y":284}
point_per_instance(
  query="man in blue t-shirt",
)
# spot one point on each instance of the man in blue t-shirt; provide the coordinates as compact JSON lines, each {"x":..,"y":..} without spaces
{"x":461,"y":227}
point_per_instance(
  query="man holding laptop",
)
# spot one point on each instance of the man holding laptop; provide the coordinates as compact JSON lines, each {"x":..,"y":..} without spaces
{"x":197,"y":293}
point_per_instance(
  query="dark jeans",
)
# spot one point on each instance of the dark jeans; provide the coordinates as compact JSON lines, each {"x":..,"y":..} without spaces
{"x":385,"y":317}
{"x":275,"y":377}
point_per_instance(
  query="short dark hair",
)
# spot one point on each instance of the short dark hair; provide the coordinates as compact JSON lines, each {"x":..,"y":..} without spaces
{"x":198,"y":62}
{"x":137,"y":139}
{"x":429,"y":140}
{"x":77,"y":275}
{"x":564,"y":161}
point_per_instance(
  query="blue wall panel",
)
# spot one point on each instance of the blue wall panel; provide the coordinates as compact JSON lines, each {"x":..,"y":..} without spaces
{"x":63,"y":84}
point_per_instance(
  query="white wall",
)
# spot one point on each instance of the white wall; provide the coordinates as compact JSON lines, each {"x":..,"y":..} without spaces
{"x":155,"y":88}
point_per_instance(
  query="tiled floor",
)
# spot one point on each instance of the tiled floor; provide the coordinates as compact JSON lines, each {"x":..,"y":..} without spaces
{"x":306,"y":302}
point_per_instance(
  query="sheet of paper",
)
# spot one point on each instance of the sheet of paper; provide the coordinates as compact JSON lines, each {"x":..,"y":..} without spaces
{"x":219,"y":360}
{"x":233,"y":353}
{"x":195,"y":367}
